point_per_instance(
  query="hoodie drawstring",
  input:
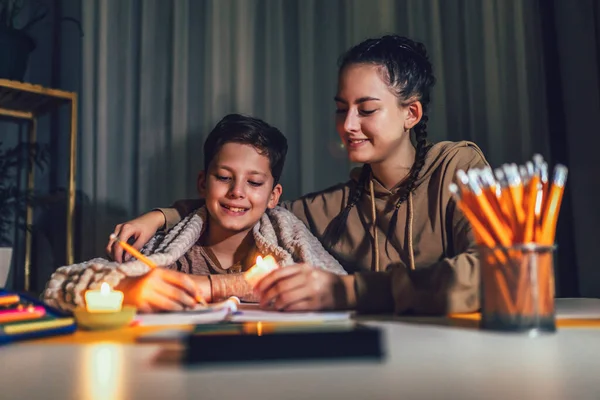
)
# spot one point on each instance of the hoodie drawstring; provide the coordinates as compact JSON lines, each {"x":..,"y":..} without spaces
{"x":374,"y":215}
{"x":411,"y":254}
{"x":410,"y":217}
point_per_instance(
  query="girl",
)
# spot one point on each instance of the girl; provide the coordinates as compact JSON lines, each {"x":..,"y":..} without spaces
{"x":393,"y":225}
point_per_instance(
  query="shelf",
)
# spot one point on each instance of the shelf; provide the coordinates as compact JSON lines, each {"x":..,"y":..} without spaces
{"x":24,"y":100}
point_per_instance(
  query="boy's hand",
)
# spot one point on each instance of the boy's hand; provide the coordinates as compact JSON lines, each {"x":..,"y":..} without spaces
{"x":305,"y":288}
{"x":160,"y":290}
{"x":142,"y":229}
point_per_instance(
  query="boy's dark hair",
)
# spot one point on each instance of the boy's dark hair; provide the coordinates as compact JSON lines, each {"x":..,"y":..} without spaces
{"x":237,"y":128}
{"x":408,"y":73}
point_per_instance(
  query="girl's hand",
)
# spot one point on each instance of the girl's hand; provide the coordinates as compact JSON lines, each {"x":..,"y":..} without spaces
{"x":160,"y":290}
{"x":142,"y":229}
{"x":304,"y":288}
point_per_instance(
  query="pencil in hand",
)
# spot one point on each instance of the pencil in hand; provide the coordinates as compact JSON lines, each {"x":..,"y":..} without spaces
{"x":131,"y":250}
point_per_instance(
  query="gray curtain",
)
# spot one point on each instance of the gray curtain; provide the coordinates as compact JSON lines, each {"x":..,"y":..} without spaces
{"x":157,"y":75}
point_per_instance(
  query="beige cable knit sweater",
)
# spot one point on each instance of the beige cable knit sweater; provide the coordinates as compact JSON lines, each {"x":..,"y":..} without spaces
{"x":278,"y":233}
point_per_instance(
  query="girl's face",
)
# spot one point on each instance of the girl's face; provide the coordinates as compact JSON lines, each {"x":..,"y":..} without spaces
{"x":369,"y":118}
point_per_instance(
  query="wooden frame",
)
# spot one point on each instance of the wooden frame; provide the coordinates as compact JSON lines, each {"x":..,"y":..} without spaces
{"x":24,"y":101}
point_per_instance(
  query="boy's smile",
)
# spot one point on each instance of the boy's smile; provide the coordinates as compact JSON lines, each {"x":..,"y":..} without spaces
{"x":233,"y":210}
{"x":238,"y":188}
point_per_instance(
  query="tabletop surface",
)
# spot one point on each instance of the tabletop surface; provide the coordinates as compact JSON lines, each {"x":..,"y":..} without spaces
{"x":423,"y":361}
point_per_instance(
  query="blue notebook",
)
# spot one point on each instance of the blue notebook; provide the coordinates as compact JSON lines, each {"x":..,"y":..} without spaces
{"x":53,"y":323}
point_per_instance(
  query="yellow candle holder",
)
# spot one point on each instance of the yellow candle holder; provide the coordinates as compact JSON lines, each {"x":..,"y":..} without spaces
{"x":104,"y":310}
{"x":104,"y":320}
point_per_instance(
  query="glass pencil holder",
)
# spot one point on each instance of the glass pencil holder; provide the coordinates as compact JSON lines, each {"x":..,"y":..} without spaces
{"x":517,"y":288}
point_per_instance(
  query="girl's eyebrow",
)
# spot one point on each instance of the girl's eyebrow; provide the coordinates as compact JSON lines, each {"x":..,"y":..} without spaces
{"x":358,"y":101}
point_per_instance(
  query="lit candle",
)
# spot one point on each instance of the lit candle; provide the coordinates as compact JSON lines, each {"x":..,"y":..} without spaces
{"x":261,"y":269}
{"x":103,"y":300}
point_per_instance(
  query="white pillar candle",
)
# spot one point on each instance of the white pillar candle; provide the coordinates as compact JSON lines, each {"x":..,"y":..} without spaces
{"x":103,"y":300}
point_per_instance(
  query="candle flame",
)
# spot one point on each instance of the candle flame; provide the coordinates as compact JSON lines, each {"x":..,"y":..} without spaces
{"x":104,"y":288}
{"x":259,"y":260}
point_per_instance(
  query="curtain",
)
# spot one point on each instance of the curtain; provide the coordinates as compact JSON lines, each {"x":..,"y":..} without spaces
{"x":157,"y":75}
{"x":153,"y":77}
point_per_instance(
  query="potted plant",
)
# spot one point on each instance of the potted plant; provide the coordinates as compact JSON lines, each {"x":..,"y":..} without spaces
{"x":14,"y":200}
{"x":15,"y":41}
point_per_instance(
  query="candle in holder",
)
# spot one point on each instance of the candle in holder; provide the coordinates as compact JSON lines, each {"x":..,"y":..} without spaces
{"x":103,"y":300}
{"x":261,"y":269}
{"x":104,"y":309}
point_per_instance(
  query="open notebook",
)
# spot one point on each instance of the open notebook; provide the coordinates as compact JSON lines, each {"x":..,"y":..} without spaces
{"x":232,"y":310}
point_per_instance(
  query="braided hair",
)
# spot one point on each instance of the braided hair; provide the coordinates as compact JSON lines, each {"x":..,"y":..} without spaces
{"x":408,"y":73}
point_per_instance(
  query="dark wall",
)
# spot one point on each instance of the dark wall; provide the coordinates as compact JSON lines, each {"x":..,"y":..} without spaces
{"x":574,"y":98}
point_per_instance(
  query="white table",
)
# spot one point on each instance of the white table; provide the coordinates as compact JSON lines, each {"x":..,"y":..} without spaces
{"x":423,"y":361}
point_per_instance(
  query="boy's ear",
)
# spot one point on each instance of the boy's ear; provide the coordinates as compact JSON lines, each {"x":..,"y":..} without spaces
{"x":201,"y":184}
{"x":275,"y":195}
{"x":414,"y":114}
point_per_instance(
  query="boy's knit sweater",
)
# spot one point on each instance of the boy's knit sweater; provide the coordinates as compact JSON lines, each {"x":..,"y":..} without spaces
{"x":278,"y":233}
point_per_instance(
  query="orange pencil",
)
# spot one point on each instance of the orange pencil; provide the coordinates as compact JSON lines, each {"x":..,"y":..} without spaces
{"x":478,"y":227}
{"x":553,"y":204}
{"x":131,"y":250}
{"x":473,"y":196}
{"x":529,"y":205}
{"x":518,"y":188}
{"x":538,"y":162}
{"x":541,"y":169}
{"x":485,"y":238}
{"x":545,"y":185}
{"x":503,"y":236}
{"x":8,"y":299}
{"x":490,"y":190}
{"x":506,"y":204}
{"x":31,"y":312}
{"x":515,"y":192}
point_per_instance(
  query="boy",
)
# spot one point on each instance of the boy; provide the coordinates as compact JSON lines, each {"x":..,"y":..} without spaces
{"x":206,"y":253}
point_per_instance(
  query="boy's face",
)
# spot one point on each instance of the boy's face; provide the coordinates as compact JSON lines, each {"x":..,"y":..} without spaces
{"x":238,"y":187}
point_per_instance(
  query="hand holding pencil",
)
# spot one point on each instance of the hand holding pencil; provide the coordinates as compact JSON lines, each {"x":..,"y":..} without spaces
{"x":146,"y":260}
